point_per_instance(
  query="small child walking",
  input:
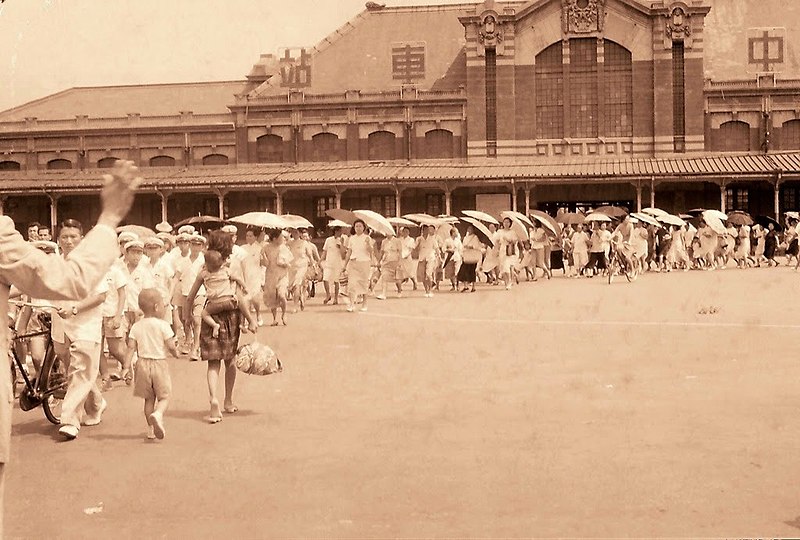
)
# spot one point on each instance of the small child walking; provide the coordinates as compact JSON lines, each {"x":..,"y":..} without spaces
{"x":151,"y":338}
{"x":221,"y":295}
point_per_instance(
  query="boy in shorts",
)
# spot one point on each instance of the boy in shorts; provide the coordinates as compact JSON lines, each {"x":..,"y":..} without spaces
{"x":151,"y":338}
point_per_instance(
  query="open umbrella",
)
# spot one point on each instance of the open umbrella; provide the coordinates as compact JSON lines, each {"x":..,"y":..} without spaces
{"x":447,"y":219}
{"x":519,"y":215}
{"x":722,"y":216}
{"x":138,"y":230}
{"x":266,"y":220}
{"x":644,"y":218}
{"x":541,"y":217}
{"x":200,"y":220}
{"x":739,"y":218}
{"x":597,"y":217}
{"x":443,"y":230}
{"x":764,"y":221}
{"x":342,"y":215}
{"x":612,"y":211}
{"x":480,"y":230}
{"x":297,"y":222}
{"x":571,"y":218}
{"x":337,"y":223}
{"x":376,"y":222}
{"x":482,"y":216}
{"x":424,"y":219}
{"x":696,"y":211}
{"x":669,"y":219}
{"x":654,"y":211}
{"x":546,"y":223}
{"x":402,"y":222}
{"x":715,"y":223}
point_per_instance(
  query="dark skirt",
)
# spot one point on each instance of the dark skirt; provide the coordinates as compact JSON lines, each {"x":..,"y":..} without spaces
{"x":226,"y":345}
{"x":466,"y":274}
{"x":792,"y":249}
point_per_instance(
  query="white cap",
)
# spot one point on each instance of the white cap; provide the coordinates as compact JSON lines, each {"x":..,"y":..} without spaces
{"x":230,"y":229}
{"x":188,"y":229}
{"x":134,"y":244}
{"x":153,"y":241}
{"x":127,"y":236}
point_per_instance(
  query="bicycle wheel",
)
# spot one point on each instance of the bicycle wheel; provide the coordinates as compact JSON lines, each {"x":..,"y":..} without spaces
{"x":53,"y":385}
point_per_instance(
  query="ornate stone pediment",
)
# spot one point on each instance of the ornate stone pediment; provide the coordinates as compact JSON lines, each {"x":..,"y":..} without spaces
{"x":582,"y":16}
{"x":490,"y":33}
{"x":679,"y":25}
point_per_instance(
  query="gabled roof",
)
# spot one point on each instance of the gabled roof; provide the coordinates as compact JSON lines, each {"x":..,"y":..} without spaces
{"x":119,"y":101}
{"x":358,"y":56}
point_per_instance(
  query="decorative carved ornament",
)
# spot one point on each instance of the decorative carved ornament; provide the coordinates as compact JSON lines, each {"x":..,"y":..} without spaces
{"x":582,"y":16}
{"x":490,"y":33}
{"x":678,"y":23}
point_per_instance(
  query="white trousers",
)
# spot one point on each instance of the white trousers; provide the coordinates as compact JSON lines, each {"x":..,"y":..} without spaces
{"x":82,"y":391}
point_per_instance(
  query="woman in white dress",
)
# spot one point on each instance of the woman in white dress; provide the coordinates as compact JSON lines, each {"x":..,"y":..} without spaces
{"x":492,"y":258}
{"x":358,"y":264}
{"x":507,"y":241}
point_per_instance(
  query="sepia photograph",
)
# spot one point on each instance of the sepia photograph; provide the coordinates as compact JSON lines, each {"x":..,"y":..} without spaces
{"x":399,"y":269}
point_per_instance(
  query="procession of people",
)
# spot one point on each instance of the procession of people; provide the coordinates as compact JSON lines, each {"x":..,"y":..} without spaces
{"x":192,"y":290}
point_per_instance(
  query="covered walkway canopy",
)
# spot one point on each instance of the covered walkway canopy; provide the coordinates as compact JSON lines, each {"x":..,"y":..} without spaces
{"x":718,"y":168}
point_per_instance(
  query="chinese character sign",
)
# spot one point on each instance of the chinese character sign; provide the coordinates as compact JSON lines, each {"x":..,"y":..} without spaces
{"x":766,"y":50}
{"x":295,"y":68}
{"x":408,"y":61}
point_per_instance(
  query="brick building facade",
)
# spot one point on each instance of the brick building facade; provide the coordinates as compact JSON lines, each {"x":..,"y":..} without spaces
{"x":427,"y":108}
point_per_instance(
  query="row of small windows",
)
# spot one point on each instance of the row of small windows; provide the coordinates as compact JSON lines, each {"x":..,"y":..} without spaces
{"x":381,"y":146}
{"x":108,"y":162}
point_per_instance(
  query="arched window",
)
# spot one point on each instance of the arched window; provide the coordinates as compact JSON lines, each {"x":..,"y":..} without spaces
{"x":550,"y":93}
{"x":106,"y":162}
{"x":438,"y":144}
{"x":790,"y":135}
{"x":325,"y":147}
{"x":618,"y":90}
{"x":215,"y":159}
{"x":56,"y":164}
{"x":9,"y":166}
{"x":162,"y":161}
{"x":269,"y":149}
{"x":733,"y":136}
{"x":583,"y":89}
{"x":381,"y":145}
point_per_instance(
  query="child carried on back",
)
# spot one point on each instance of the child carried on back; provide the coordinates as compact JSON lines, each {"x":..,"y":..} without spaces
{"x":221,"y":294}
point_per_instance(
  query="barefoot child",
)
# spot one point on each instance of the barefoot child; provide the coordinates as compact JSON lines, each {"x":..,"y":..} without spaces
{"x":150,"y":338}
{"x":220,"y":293}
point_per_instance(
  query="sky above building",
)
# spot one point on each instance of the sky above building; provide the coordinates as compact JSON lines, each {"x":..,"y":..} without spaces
{"x":50,"y":45}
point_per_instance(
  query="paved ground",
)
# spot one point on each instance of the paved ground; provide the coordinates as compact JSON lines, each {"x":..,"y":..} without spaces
{"x":561,"y":408}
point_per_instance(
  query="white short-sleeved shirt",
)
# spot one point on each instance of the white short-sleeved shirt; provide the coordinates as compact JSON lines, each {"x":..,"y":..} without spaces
{"x":115,"y":278}
{"x":333,"y":255}
{"x":163,"y":272}
{"x":141,"y":278}
{"x":85,"y":326}
{"x":150,"y":334}
{"x":360,"y":247}
{"x":189,"y":270}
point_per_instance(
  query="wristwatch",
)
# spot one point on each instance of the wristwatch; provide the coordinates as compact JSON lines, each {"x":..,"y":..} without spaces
{"x":74,"y":310}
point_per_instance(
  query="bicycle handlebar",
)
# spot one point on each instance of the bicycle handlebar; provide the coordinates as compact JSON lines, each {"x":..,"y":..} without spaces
{"x":19,"y":303}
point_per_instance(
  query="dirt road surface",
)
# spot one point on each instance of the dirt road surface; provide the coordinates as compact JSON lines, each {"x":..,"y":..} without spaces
{"x":561,"y":408}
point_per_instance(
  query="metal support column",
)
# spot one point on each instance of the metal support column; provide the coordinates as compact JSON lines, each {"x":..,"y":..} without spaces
{"x":527,"y":200}
{"x":278,"y":202}
{"x":722,"y":192}
{"x":778,"y":198}
{"x":652,"y":192}
{"x":513,"y":195}
{"x":639,"y":196}
{"x":448,"y":200}
{"x":164,"y":206}
{"x":398,"y":194}
{"x":53,"y":212}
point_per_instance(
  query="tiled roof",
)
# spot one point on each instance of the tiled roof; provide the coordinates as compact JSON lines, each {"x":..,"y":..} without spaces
{"x":699,"y":167}
{"x":119,"y":101}
{"x":358,"y":56}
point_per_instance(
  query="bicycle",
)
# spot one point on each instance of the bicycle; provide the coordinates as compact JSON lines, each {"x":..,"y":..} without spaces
{"x":50,"y":386}
{"x":619,"y":263}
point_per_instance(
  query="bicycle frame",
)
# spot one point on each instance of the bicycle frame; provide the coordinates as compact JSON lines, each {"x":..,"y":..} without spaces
{"x":20,"y":365}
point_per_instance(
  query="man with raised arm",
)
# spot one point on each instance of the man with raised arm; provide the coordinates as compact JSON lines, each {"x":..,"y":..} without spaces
{"x":51,"y":277}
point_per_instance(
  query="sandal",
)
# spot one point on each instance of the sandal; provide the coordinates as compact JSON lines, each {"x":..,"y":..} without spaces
{"x":230,"y":410}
